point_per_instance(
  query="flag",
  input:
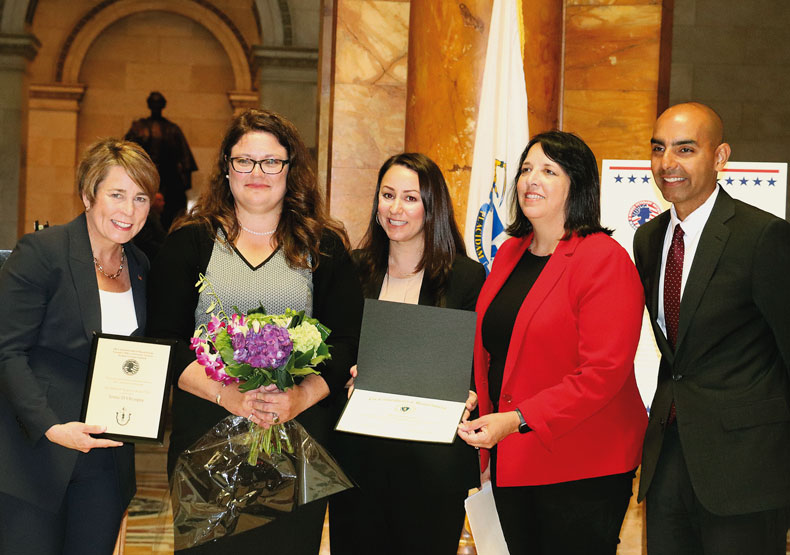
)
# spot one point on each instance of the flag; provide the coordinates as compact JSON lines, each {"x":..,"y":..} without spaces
{"x":501,"y":135}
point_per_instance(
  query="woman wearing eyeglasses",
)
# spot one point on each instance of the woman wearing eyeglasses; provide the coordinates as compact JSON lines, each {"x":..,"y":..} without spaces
{"x":260,"y":233}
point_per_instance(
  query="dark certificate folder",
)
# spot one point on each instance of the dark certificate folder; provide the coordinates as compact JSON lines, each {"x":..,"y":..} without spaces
{"x":415,"y":365}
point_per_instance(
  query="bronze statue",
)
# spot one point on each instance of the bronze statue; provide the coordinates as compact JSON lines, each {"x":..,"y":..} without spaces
{"x":168,"y":148}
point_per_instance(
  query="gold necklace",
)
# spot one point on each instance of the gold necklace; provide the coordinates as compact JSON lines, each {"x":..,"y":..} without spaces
{"x":116,"y":274}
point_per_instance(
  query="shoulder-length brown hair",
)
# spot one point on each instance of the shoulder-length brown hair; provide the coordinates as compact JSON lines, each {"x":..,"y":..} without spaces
{"x":443,"y":240}
{"x":303,"y":218}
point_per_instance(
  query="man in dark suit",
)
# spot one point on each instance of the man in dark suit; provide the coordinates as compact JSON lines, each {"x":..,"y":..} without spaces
{"x":716,"y":459}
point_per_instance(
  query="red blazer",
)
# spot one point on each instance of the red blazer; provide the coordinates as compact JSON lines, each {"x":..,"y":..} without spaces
{"x":570,"y":365}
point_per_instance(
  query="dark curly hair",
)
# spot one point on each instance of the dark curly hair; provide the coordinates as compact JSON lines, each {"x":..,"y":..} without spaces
{"x":304,"y":217}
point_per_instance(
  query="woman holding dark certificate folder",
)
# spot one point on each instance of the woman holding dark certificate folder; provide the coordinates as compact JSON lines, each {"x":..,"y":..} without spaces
{"x":62,"y":490}
{"x":558,"y":324}
{"x":411,"y":495}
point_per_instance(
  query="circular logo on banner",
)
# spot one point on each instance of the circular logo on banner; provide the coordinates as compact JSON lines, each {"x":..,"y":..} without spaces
{"x":130,"y":367}
{"x":642,"y":212}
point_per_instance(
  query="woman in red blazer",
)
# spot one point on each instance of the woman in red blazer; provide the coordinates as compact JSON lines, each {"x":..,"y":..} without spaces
{"x":557,"y":331}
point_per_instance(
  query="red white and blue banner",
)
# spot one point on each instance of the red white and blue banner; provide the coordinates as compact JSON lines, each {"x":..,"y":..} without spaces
{"x":501,"y":135}
{"x":630,"y":198}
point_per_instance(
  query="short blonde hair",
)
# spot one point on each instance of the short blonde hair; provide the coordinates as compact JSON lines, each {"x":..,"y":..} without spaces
{"x":106,"y":153}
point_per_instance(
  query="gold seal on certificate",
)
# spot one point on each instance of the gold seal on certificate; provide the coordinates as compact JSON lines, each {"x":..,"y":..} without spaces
{"x":127,"y":387}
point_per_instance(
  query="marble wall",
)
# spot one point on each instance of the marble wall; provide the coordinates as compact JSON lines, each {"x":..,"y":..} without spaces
{"x":735,"y":56}
{"x":611,"y":74}
{"x":446,"y":60}
{"x":447,"y":46}
{"x":369,"y":103}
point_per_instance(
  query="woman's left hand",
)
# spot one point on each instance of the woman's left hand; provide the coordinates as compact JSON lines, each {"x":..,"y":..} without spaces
{"x":282,"y":406}
{"x":489,"y":430}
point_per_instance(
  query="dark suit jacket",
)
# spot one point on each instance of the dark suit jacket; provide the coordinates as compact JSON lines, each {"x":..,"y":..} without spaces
{"x":728,"y":375}
{"x":425,"y":466}
{"x":49,"y":297}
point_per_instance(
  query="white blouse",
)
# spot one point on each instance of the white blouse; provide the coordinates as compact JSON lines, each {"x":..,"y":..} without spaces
{"x":117,"y":312}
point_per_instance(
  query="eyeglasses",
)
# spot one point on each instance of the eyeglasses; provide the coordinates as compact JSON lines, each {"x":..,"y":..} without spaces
{"x":271,"y":166}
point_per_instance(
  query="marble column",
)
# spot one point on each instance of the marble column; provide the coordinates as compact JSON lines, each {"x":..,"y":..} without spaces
{"x":16,"y":50}
{"x":288,"y":85}
{"x":611,"y":80}
{"x":447,"y":49}
{"x":369,"y":103}
{"x":52,"y":154}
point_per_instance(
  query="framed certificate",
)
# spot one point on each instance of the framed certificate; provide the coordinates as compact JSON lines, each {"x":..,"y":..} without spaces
{"x":415,"y":368}
{"x":127,"y":387}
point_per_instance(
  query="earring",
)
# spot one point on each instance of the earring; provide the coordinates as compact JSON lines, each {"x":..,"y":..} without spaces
{"x":228,"y":176}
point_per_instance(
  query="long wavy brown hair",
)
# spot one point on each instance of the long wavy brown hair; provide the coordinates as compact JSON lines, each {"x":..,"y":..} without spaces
{"x":304,"y":217}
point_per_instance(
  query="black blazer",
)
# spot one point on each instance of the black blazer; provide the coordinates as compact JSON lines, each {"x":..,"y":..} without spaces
{"x":50,"y":308}
{"x":728,"y":374}
{"x":427,"y":466}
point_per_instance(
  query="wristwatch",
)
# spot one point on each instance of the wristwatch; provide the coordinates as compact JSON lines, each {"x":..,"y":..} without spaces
{"x":523,"y":427}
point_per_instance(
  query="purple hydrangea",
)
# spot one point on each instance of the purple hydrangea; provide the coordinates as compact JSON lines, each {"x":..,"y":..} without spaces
{"x":269,"y":347}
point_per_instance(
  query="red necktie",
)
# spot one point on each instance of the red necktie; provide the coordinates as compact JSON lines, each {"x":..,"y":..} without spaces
{"x":673,"y":275}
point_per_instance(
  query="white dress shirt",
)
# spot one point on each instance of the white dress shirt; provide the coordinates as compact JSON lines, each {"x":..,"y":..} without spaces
{"x":692,"y":230}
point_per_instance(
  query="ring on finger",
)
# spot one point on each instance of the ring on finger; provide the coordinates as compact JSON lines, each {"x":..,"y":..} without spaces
{"x":276,"y":418}
{"x":251,"y":415}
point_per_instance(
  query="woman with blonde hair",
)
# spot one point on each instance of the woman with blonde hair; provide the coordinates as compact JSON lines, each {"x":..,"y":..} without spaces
{"x":62,"y":490}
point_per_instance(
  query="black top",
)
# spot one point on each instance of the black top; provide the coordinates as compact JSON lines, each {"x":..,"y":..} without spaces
{"x":500,"y":317}
{"x":172,"y":298}
{"x":423,"y":466}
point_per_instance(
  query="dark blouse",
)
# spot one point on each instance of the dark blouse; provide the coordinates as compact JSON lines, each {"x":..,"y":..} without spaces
{"x":500,"y":317}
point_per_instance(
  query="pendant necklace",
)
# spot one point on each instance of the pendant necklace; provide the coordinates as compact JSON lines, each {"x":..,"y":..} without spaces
{"x":116,"y":274}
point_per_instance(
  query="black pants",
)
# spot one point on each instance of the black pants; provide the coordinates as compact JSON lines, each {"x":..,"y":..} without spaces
{"x":86,"y":523}
{"x":296,"y":533}
{"x":678,"y":524}
{"x":579,"y":517}
{"x":396,"y":520}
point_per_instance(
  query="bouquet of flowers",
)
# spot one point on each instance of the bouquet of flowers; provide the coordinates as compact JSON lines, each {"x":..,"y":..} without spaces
{"x":259,"y":349}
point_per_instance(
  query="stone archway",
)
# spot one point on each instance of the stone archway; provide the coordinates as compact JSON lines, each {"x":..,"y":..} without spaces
{"x":108,"y":12}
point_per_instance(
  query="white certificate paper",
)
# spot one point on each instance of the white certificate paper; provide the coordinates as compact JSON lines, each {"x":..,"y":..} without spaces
{"x":401,"y":416}
{"x":484,"y":522}
{"x":127,"y":387}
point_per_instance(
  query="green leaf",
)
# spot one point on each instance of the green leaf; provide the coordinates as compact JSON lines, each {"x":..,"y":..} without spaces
{"x":224,"y":345}
{"x":296,"y":318}
{"x":323,"y":330}
{"x":283,"y":378}
{"x":304,"y":371}
{"x":323,"y":350}
{"x":302,"y":359}
{"x":260,"y":310}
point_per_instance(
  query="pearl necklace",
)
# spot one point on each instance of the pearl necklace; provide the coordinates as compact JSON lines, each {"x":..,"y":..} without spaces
{"x":116,"y":274}
{"x":258,"y":233}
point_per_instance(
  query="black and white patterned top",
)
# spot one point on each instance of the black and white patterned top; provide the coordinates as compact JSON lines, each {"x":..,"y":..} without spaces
{"x":273,"y":284}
